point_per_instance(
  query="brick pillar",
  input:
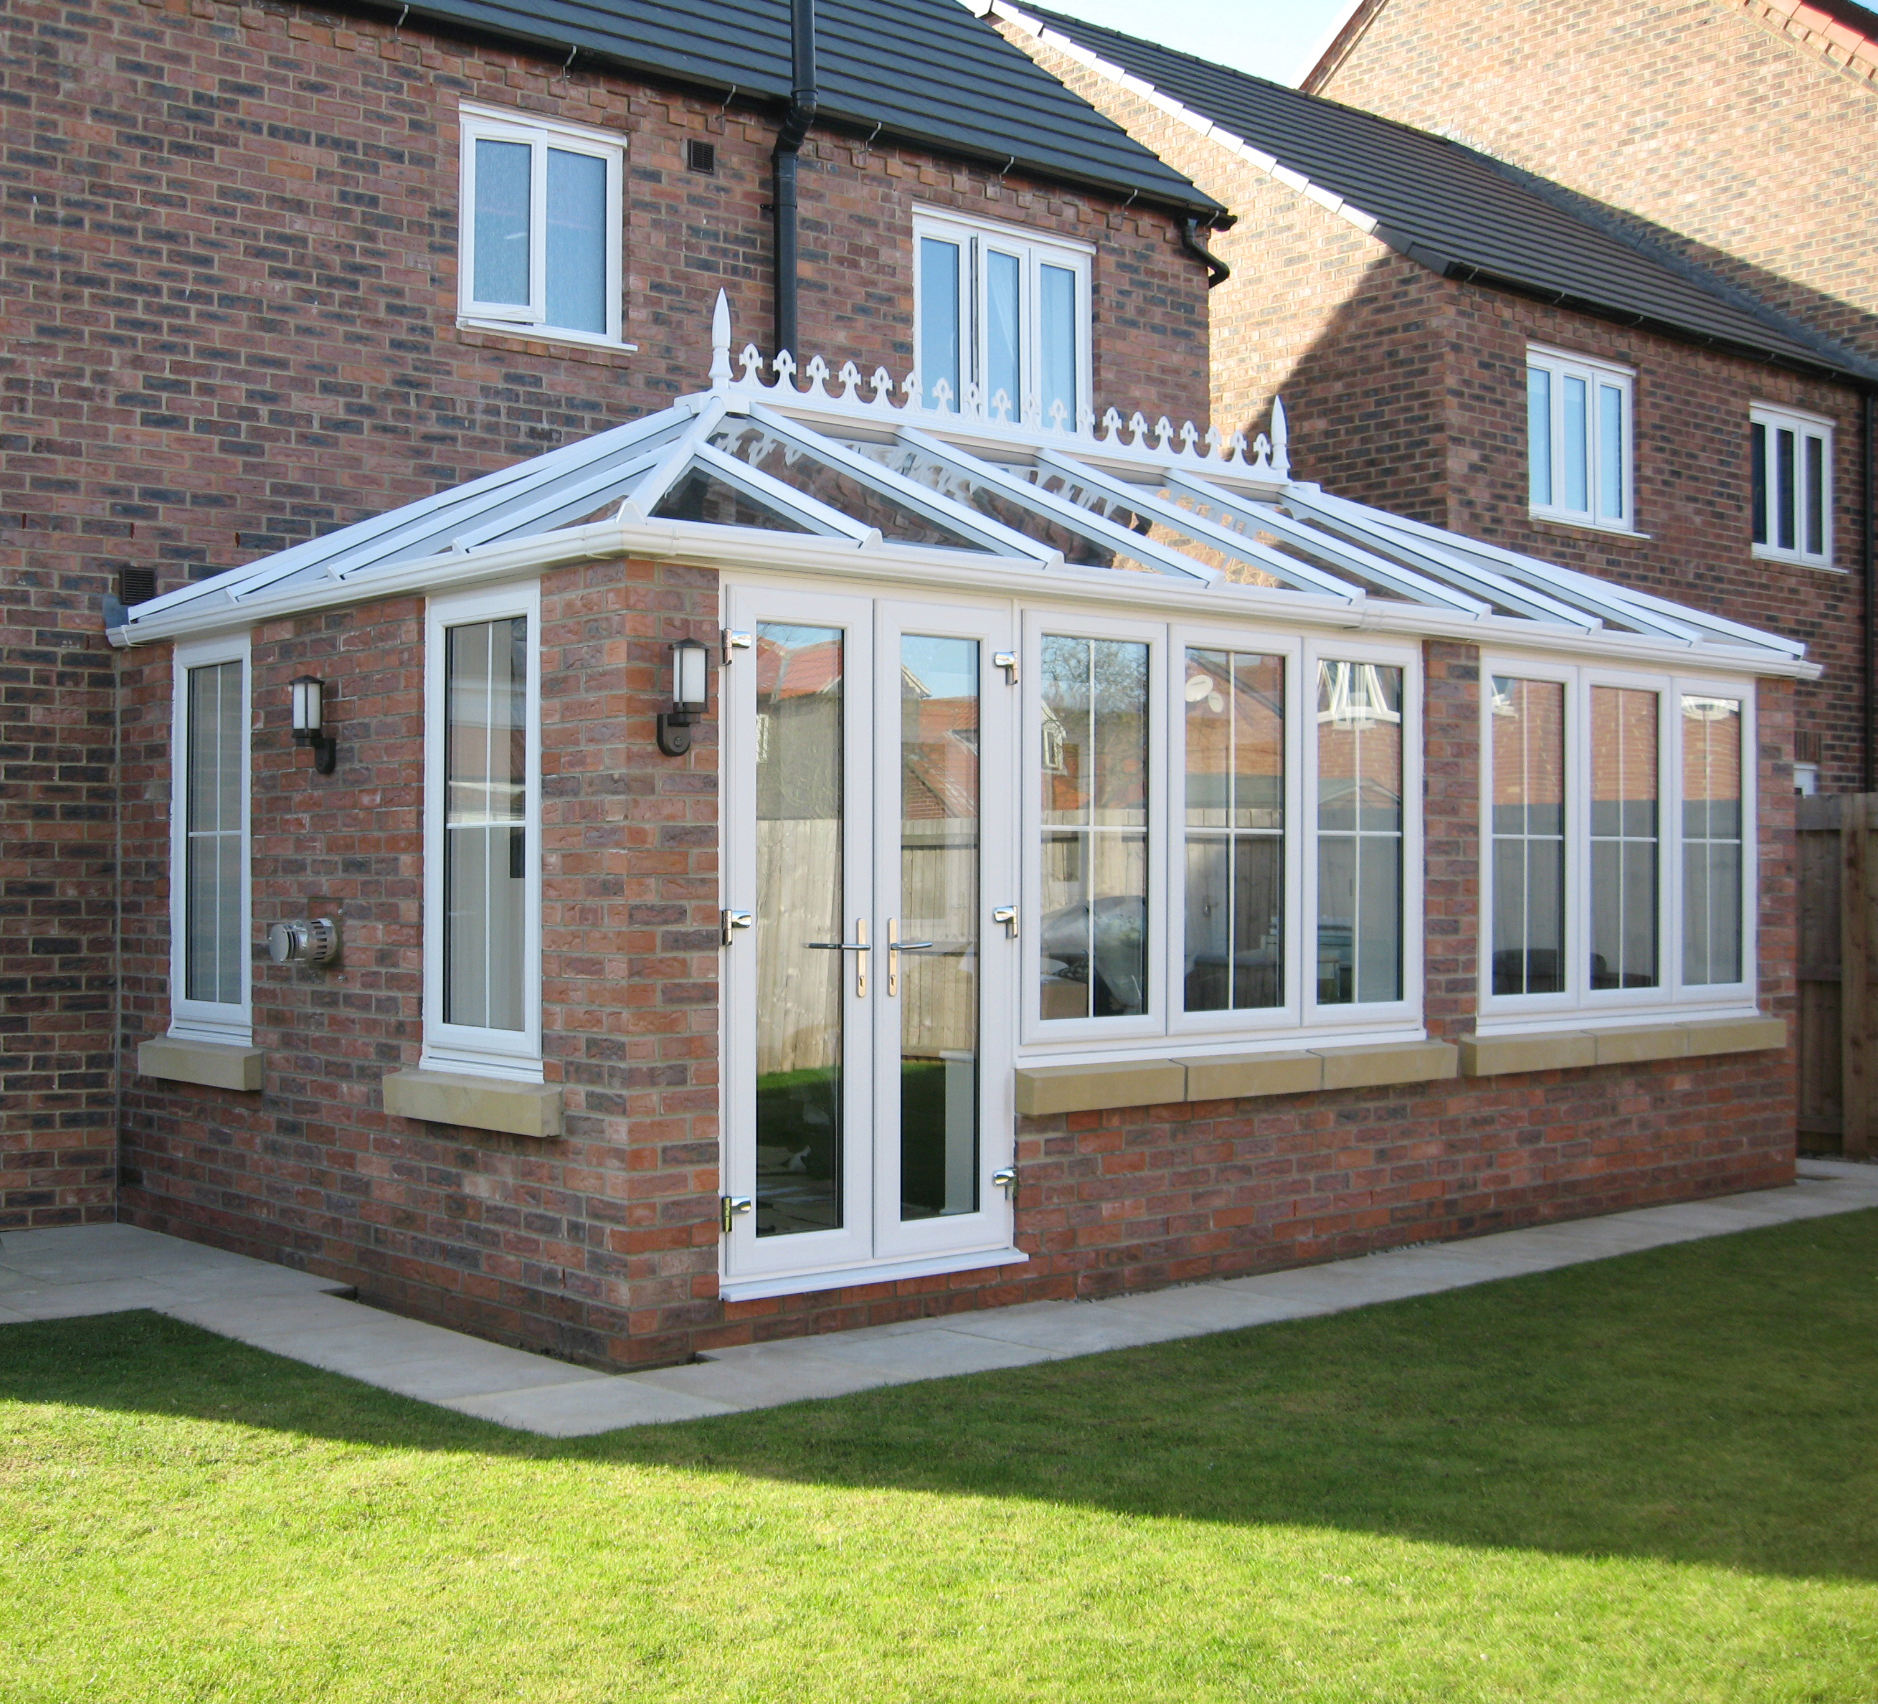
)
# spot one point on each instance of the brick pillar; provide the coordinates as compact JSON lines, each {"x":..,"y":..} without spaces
{"x":1451,"y":805}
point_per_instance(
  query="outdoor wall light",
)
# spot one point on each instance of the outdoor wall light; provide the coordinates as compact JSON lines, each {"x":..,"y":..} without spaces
{"x":309,"y":699}
{"x":690,"y":686}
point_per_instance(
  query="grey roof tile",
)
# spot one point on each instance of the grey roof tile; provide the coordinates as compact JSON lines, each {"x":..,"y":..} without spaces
{"x":922,"y":70}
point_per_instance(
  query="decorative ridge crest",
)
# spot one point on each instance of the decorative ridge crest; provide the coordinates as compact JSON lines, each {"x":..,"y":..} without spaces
{"x":872,"y":397}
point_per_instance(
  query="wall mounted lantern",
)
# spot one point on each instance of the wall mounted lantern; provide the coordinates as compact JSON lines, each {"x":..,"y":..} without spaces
{"x":690,"y":686}
{"x":309,"y":713}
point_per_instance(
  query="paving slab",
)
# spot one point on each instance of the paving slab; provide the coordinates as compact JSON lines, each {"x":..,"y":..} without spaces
{"x":77,"y":1270}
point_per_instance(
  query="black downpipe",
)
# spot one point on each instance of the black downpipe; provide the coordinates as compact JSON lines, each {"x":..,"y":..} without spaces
{"x":1869,"y":525}
{"x":789,"y":139}
{"x":1217,"y":271}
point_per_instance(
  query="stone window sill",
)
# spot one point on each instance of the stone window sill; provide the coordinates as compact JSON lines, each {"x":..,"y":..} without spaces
{"x":475,"y":1103}
{"x":1046,"y":1089}
{"x":1562,"y":1050}
{"x":213,"y":1064}
{"x":542,"y":346}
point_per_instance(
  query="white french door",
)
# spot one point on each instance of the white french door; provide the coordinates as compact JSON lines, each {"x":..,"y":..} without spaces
{"x":869,"y":837}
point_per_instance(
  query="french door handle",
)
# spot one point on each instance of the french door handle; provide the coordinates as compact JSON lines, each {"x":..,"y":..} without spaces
{"x":895,"y":947}
{"x":857,"y":946}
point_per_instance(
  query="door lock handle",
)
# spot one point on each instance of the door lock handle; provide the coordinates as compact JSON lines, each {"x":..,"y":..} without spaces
{"x":895,"y":947}
{"x":857,"y":945}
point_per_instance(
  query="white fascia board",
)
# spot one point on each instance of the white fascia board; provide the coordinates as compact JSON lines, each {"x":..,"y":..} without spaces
{"x":744,"y":551}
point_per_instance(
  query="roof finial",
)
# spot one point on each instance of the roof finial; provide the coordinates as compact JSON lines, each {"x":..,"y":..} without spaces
{"x":1281,"y":440}
{"x":720,"y":343}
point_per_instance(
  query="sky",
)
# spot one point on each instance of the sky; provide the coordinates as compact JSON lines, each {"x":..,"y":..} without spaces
{"x":1279,"y":39}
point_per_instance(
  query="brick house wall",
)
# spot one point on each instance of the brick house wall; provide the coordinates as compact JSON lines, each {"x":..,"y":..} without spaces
{"x":602,"y":1246}
{"x":1741,"y":132}
{"x":229,"y":273}
{"x":1407,"y":390}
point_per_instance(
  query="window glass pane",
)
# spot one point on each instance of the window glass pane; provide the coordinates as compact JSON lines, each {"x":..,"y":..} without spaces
{"x":1785,"y":531}
{"x":501,"y":232}
{"x":1611,"y":452}
{"x":485,"y":850}
{"x":1539,"y":435}
{"x":1757,"y":462}
{"x":1056,"y":313}
{"x":1623,"y":838}
{"x":939,"y":319}
{"x":1711,"y":839}
{"x":938,"y":979}
{"x":1094,"y":929}
{"x":800,"y":1031}
{"x":1528,"y":836}
{"x":1575,"y":429}
{"x":212,"y":834}
{"x":1235,"y":716}
{"x":1359,"y":833}
{"x":576,"y":241}
{"x":1815,"y":496}
{"x":1004,"y":370}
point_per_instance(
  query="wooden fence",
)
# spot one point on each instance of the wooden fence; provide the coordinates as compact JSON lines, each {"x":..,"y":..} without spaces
{"x":1838,"y":974}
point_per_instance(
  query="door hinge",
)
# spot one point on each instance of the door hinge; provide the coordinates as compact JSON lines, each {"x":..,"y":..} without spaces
{"x":1005,"y":1178}
{"x":1007,"y":661}
{"x":1007,"y":915}
{"x":732,"y":1207}
{"x":735,"y":920}
{"x":734,"y":641}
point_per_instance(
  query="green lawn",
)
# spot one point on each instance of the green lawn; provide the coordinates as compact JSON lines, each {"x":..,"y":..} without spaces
{"x":1650,"y":1478}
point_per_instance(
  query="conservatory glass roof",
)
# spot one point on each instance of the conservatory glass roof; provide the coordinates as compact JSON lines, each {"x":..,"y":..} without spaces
{"x":954,"y":486}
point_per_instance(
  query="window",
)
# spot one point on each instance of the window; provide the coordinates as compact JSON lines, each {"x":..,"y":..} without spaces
{"x":209,"y":890}
{"x":1618,"y":812}
{"x":540,"y":228}
{"x":1006,"y":315}
{"x":482,"y":853}
{"x":1578,"y":439}
{"x":1790,"y":464}
{"x":1284,"y":773}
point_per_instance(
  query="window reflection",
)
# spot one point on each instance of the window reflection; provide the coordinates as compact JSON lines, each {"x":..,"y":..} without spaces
{"x":1359,"y":833}
{"x":1094,"y":928}
{"x":1528,"y":836}
{"x":1623,"y":837}
{"x":1711,"y":839}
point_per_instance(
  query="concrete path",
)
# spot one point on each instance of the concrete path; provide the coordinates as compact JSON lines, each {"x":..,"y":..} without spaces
{"x":59,"y":1274}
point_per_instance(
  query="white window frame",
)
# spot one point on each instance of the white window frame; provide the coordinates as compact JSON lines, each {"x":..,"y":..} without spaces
{"x":512,"y":1054}
{"x":1614,"y":1007}
{"x":1165,"y":1030}
{"x":492,"y":124}
{"x":1033,"y":250}
{"x":1562,"y":364}
{"x":207,"y":1020}
{"x":1803,"y":425}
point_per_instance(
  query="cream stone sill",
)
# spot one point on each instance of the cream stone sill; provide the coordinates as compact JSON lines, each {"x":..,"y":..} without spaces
{"x":213,"y":1064}
{"x":1044,"y":1089}
{"x":475,"y":1103}
{"x":1561,"y":1050}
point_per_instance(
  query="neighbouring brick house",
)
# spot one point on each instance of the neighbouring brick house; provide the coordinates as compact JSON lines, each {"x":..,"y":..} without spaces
{"x":1404,"y":293}
{"x":803,"y":849}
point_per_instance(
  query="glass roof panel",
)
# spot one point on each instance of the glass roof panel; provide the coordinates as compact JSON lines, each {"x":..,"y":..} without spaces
{"x":702,"y":496}
{"x":790,"y":464}
{"x":921,"y":466}
{"x":1233,"y":520}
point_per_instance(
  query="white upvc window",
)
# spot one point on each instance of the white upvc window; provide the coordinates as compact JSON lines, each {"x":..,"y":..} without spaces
{"x":1790,"y":473}
{"x":1007,"y":312}
{"x":541,"y":226}
{"x":1580,"y":439}
{"x":1619,"y":839}
{"x":1224,"y":828}
{"x":482,"y":833}
{"x":210,"y":900}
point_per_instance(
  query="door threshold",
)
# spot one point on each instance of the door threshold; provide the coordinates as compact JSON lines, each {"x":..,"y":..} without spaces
{"x":875,"y":1272}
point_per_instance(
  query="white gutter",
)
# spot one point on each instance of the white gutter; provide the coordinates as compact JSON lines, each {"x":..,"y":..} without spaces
{"x":738,"y":549}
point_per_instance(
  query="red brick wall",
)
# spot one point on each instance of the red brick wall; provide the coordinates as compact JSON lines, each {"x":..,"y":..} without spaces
{"x":229,"y":277}
{"x":1731,"y":128}
{"x":602,"y":1246}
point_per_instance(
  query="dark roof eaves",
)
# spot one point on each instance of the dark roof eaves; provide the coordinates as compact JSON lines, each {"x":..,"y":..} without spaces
{"x":1195,"y":202}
